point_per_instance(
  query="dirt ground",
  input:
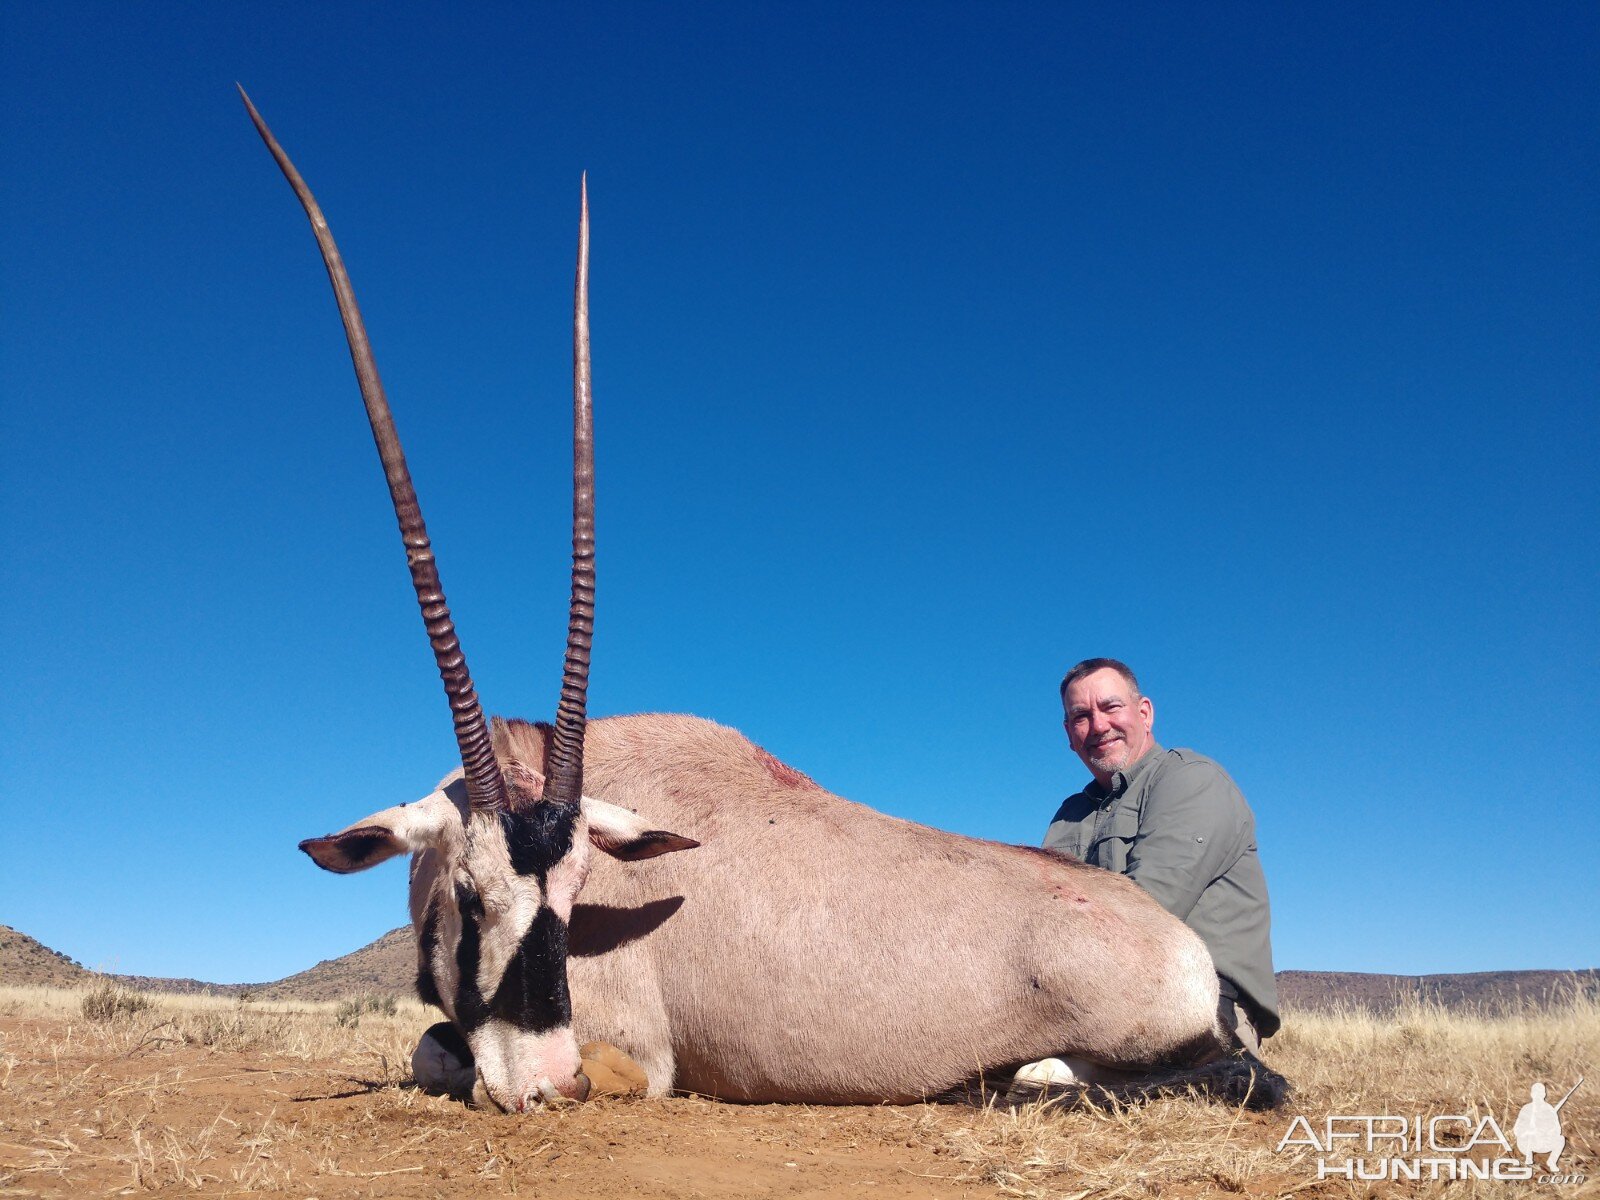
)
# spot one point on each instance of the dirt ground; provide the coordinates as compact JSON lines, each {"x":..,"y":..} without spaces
{"x":223,"y":1123}
{"x":196,"y":1120}
{"x":218,"y":1104}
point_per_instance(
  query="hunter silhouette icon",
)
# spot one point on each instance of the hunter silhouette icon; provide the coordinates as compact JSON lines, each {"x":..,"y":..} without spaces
{"x":1538,"y":1127}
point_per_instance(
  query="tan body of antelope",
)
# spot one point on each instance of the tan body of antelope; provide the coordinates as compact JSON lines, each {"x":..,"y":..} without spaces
{"x":806,"y":949}
{"x":815,"y":950}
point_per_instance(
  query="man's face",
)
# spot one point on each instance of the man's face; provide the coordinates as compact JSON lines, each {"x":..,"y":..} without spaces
{"x":1108,"y":725}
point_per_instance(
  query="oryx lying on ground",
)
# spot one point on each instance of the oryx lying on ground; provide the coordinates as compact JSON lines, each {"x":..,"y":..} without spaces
{"x":810,"y":949}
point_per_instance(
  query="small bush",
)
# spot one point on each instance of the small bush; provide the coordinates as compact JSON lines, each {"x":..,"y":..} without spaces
{"x":106,"y":1001}
{"x":349,"y":1012}
{"x":219,"y":1031}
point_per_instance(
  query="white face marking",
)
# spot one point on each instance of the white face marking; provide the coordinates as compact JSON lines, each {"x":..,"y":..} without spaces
{"x":446,"y":920}
{"x":519,"y":1068}
{"x":500,"y":935}
{"x":415,"y":826}
{"x":512,"y":901}
{"x":522,"y":1069}
{"x":567,"y":877}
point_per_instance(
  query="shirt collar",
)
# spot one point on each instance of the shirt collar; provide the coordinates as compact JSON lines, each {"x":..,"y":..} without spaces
{"x":1122,"y":780}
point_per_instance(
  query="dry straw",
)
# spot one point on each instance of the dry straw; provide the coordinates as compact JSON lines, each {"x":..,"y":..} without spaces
{"x":105,"y":1091}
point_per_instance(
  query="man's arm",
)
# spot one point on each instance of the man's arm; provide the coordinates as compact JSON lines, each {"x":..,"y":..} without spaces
{"x":1194,"y":826}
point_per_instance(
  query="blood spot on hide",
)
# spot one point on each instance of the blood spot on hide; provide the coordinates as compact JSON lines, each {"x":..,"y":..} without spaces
{"x":1061,"y":893}
{"x":782,"y":772}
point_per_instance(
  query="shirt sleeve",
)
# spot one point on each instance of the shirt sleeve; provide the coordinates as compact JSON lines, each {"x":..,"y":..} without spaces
{"x":1193,"y":828}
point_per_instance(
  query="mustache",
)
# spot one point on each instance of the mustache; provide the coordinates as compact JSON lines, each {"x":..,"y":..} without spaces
{"x":1101,"y":748}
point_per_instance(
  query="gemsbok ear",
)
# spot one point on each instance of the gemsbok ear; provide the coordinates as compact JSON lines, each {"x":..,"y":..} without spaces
{"x":404,"y":829}
{"x":624,"y":835}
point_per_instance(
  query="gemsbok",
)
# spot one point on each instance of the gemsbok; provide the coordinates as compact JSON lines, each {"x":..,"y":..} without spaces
{"x":809,"y":949}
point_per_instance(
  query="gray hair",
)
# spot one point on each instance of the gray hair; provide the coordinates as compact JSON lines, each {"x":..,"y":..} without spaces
{"x":1090,"y":665}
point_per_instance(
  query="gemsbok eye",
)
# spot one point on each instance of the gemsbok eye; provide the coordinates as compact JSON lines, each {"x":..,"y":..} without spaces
{"x":468,"y":902}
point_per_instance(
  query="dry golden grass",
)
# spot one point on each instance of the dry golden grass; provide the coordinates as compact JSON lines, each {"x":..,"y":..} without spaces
{"x":1422,"y":1059}
{"x":349,"y":1030}
{"x":208,"y":1096}
{"x":106,"y":1081}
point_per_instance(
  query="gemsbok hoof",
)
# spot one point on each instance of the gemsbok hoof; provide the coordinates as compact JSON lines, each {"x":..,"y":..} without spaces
{"x":611,"y":1072}
{"x":1047,"y":1079}
{"x":442,"y":1063}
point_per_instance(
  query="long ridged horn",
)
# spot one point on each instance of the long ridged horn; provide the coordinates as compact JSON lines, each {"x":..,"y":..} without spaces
{"x":565,"y":782}
{"x":485,"y":787}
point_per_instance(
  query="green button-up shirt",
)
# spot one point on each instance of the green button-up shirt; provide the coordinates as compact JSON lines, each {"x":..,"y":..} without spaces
{"x":1177,"y":825}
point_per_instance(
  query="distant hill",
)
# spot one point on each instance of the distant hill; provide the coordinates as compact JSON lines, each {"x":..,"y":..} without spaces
{"x":28,"y":962}
{"x":1486,"y":990}
{"x":388,"y":967}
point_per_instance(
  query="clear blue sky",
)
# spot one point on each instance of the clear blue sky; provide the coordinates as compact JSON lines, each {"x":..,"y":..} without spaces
{"x":936,"y":347}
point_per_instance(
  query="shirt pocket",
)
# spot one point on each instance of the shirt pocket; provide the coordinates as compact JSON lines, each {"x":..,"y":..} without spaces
{"x":1109,"y":849}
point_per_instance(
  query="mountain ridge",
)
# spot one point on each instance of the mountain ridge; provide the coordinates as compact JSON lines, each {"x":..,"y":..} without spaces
{"x":387,"y":967}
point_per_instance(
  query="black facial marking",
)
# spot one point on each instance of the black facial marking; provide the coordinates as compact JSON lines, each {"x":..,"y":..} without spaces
{"x":471,"y":1011}
{"x":468,"y":901}
{"x":533,"y":992}
{"x":539,"y":837}
{"x":427,"y":986}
